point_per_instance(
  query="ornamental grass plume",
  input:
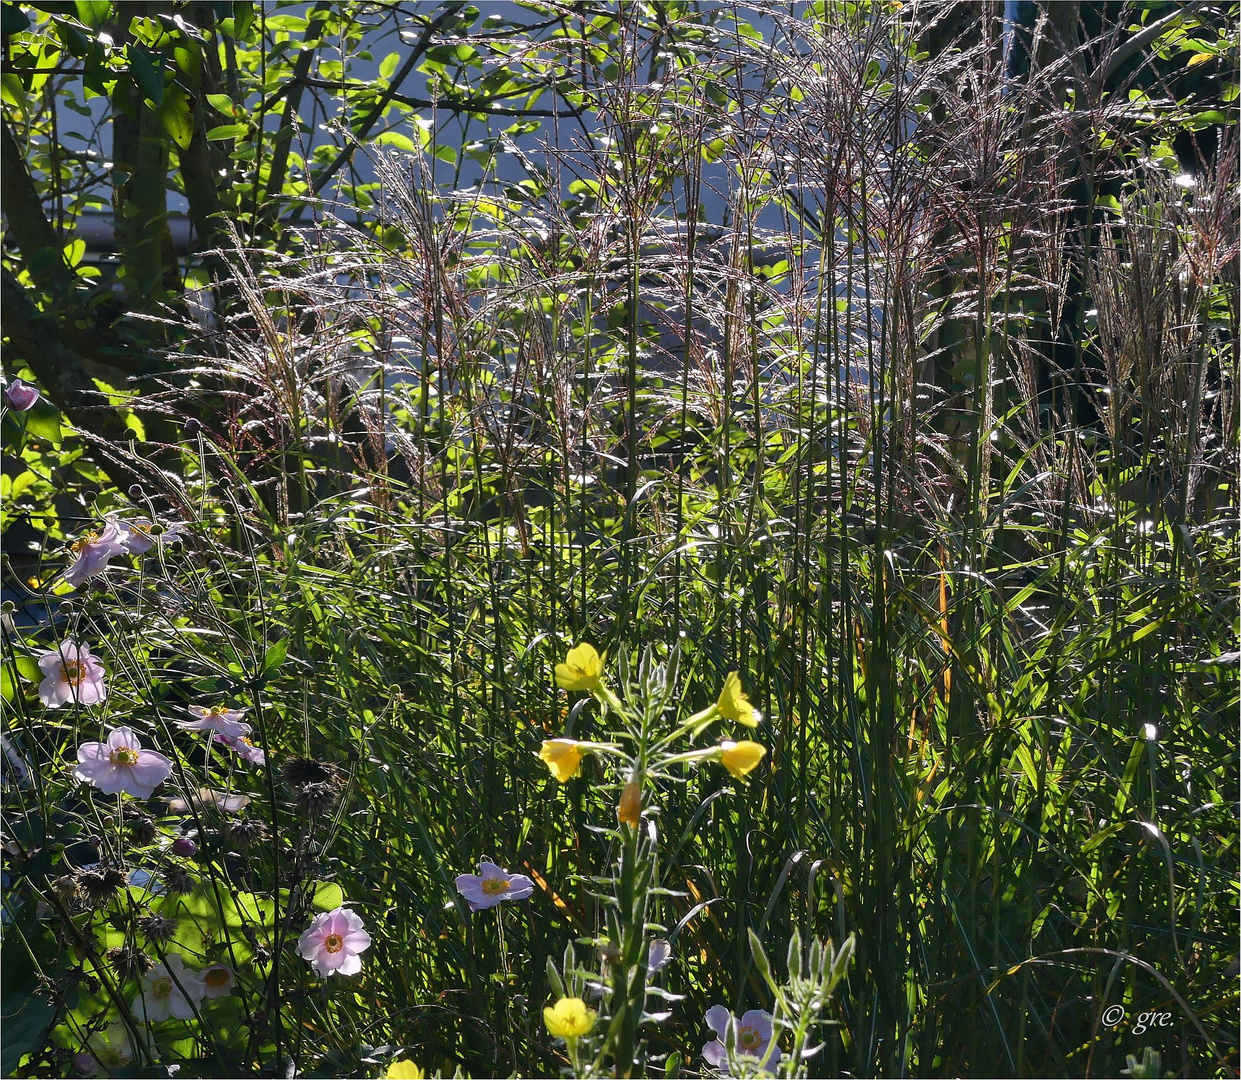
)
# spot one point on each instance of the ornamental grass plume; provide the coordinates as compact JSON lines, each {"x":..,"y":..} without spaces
{"x":333,"y":943}
{"x":72,"y":674}
{"x":491,"y":885}
{"x":121,"y":764}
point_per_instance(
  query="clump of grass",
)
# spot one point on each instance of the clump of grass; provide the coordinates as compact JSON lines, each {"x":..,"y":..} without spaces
{"x":934,"y":447}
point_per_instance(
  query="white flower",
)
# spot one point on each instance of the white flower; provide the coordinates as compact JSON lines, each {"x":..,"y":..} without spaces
{"x":169,"y":990}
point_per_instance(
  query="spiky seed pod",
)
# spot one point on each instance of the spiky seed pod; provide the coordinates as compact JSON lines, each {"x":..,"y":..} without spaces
{"x":157,"y":928}
{"x":128,"y":962}
{"x":100,"y":886}
{"x":178,"y":880}
{"x":316,"y":799}
{"x":246,"y":833}
{"x":300,"y":771}
{"x":66,"y":888}
{"x":142,"y":830}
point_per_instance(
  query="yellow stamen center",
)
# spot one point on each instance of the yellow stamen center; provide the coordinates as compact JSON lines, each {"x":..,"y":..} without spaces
{"x":749,"y":1038}
{"x":86,"y":541}
{"x":333,"y":943}
{"x":217,"y":976}
{"x":124,"y":755}
{"x":162,"y":987}
{"x":71,"y":671}
{"x":493,"y":886}
{"x":217,"y":710}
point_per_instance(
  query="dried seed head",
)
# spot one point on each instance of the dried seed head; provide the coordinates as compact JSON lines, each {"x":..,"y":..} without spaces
{"x":316,"y":799}
{"x":66,"y":888}
{"x":128,"y":962}
{"x":100,"y":886}
{"x":299,"y":772}
{"x":142,"y":830}
{"x":157,"y":928}
{"x":245,"y":833}
{"x":177,"y":880}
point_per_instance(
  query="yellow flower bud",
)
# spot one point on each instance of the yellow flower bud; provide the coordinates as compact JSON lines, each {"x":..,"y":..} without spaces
{"x":629,"y":810}
{"x":563,"y":757}
{"x":405,"y":1070}
{"x":735,"y":705}
{"x":569,"y":1018}
{"x":740,"y":758}
{"x":582,"y":669}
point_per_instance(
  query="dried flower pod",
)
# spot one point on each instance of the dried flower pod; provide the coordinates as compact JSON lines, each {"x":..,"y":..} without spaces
{"x":178,"y":881}
{"x":246,"y":833}
{"x":629,"y":811}
{"x":128,"y":962}
{"x":100,"y":886}
{"x":157,"y":928}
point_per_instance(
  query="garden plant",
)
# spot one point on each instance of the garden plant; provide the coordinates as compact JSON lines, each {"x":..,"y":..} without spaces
{"x":620,"y":539}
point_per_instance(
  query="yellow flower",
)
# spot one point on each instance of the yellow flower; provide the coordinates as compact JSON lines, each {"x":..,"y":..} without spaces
{"x":405,"y":1070}
{"x":582,"y":669}
{"x":563,"y":757}
{"x":735,"y":705}
{"x":629,"y":812}
{"x":568,"y":1018}
{"x":740,"y":758}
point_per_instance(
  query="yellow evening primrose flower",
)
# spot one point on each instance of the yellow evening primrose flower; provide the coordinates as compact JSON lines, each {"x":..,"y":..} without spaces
{"x":563,"y":757}
{"x":582,"y":669}
{"x":569,"y":1018}
{"x":735,"y":705}
{"x":405,"y":1070}
{"x":740,"y":758}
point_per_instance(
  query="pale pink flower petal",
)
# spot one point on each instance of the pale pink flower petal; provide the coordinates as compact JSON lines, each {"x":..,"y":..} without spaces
{"x":332,"y":943}
{"x":73,"y":674}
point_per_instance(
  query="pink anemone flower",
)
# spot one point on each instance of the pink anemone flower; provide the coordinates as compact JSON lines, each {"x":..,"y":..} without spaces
{"x":491,"y":885}
{"x":244,"y":748}
{"x":72,"y":674}
{"x":93,"y":551}
{"x":120,"y":764}
{"x":217,"y":718}
{"x":334,"y":942}
{"x":21,"y":396}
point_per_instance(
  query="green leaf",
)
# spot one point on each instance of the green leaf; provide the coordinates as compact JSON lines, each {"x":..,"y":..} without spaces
{"x":26,"y":1019}
{"x":275,"y":657}
{"x":175,"y":117}
{"x":94,"y":13}
{"x":228,"y":131}
{"x":43,"y":422}
{"x":223,"y":104}
{"x":396,"y":140}
{"x":12,"y":20}
{"x":388,"y":66}
{"x":147,"y":77}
